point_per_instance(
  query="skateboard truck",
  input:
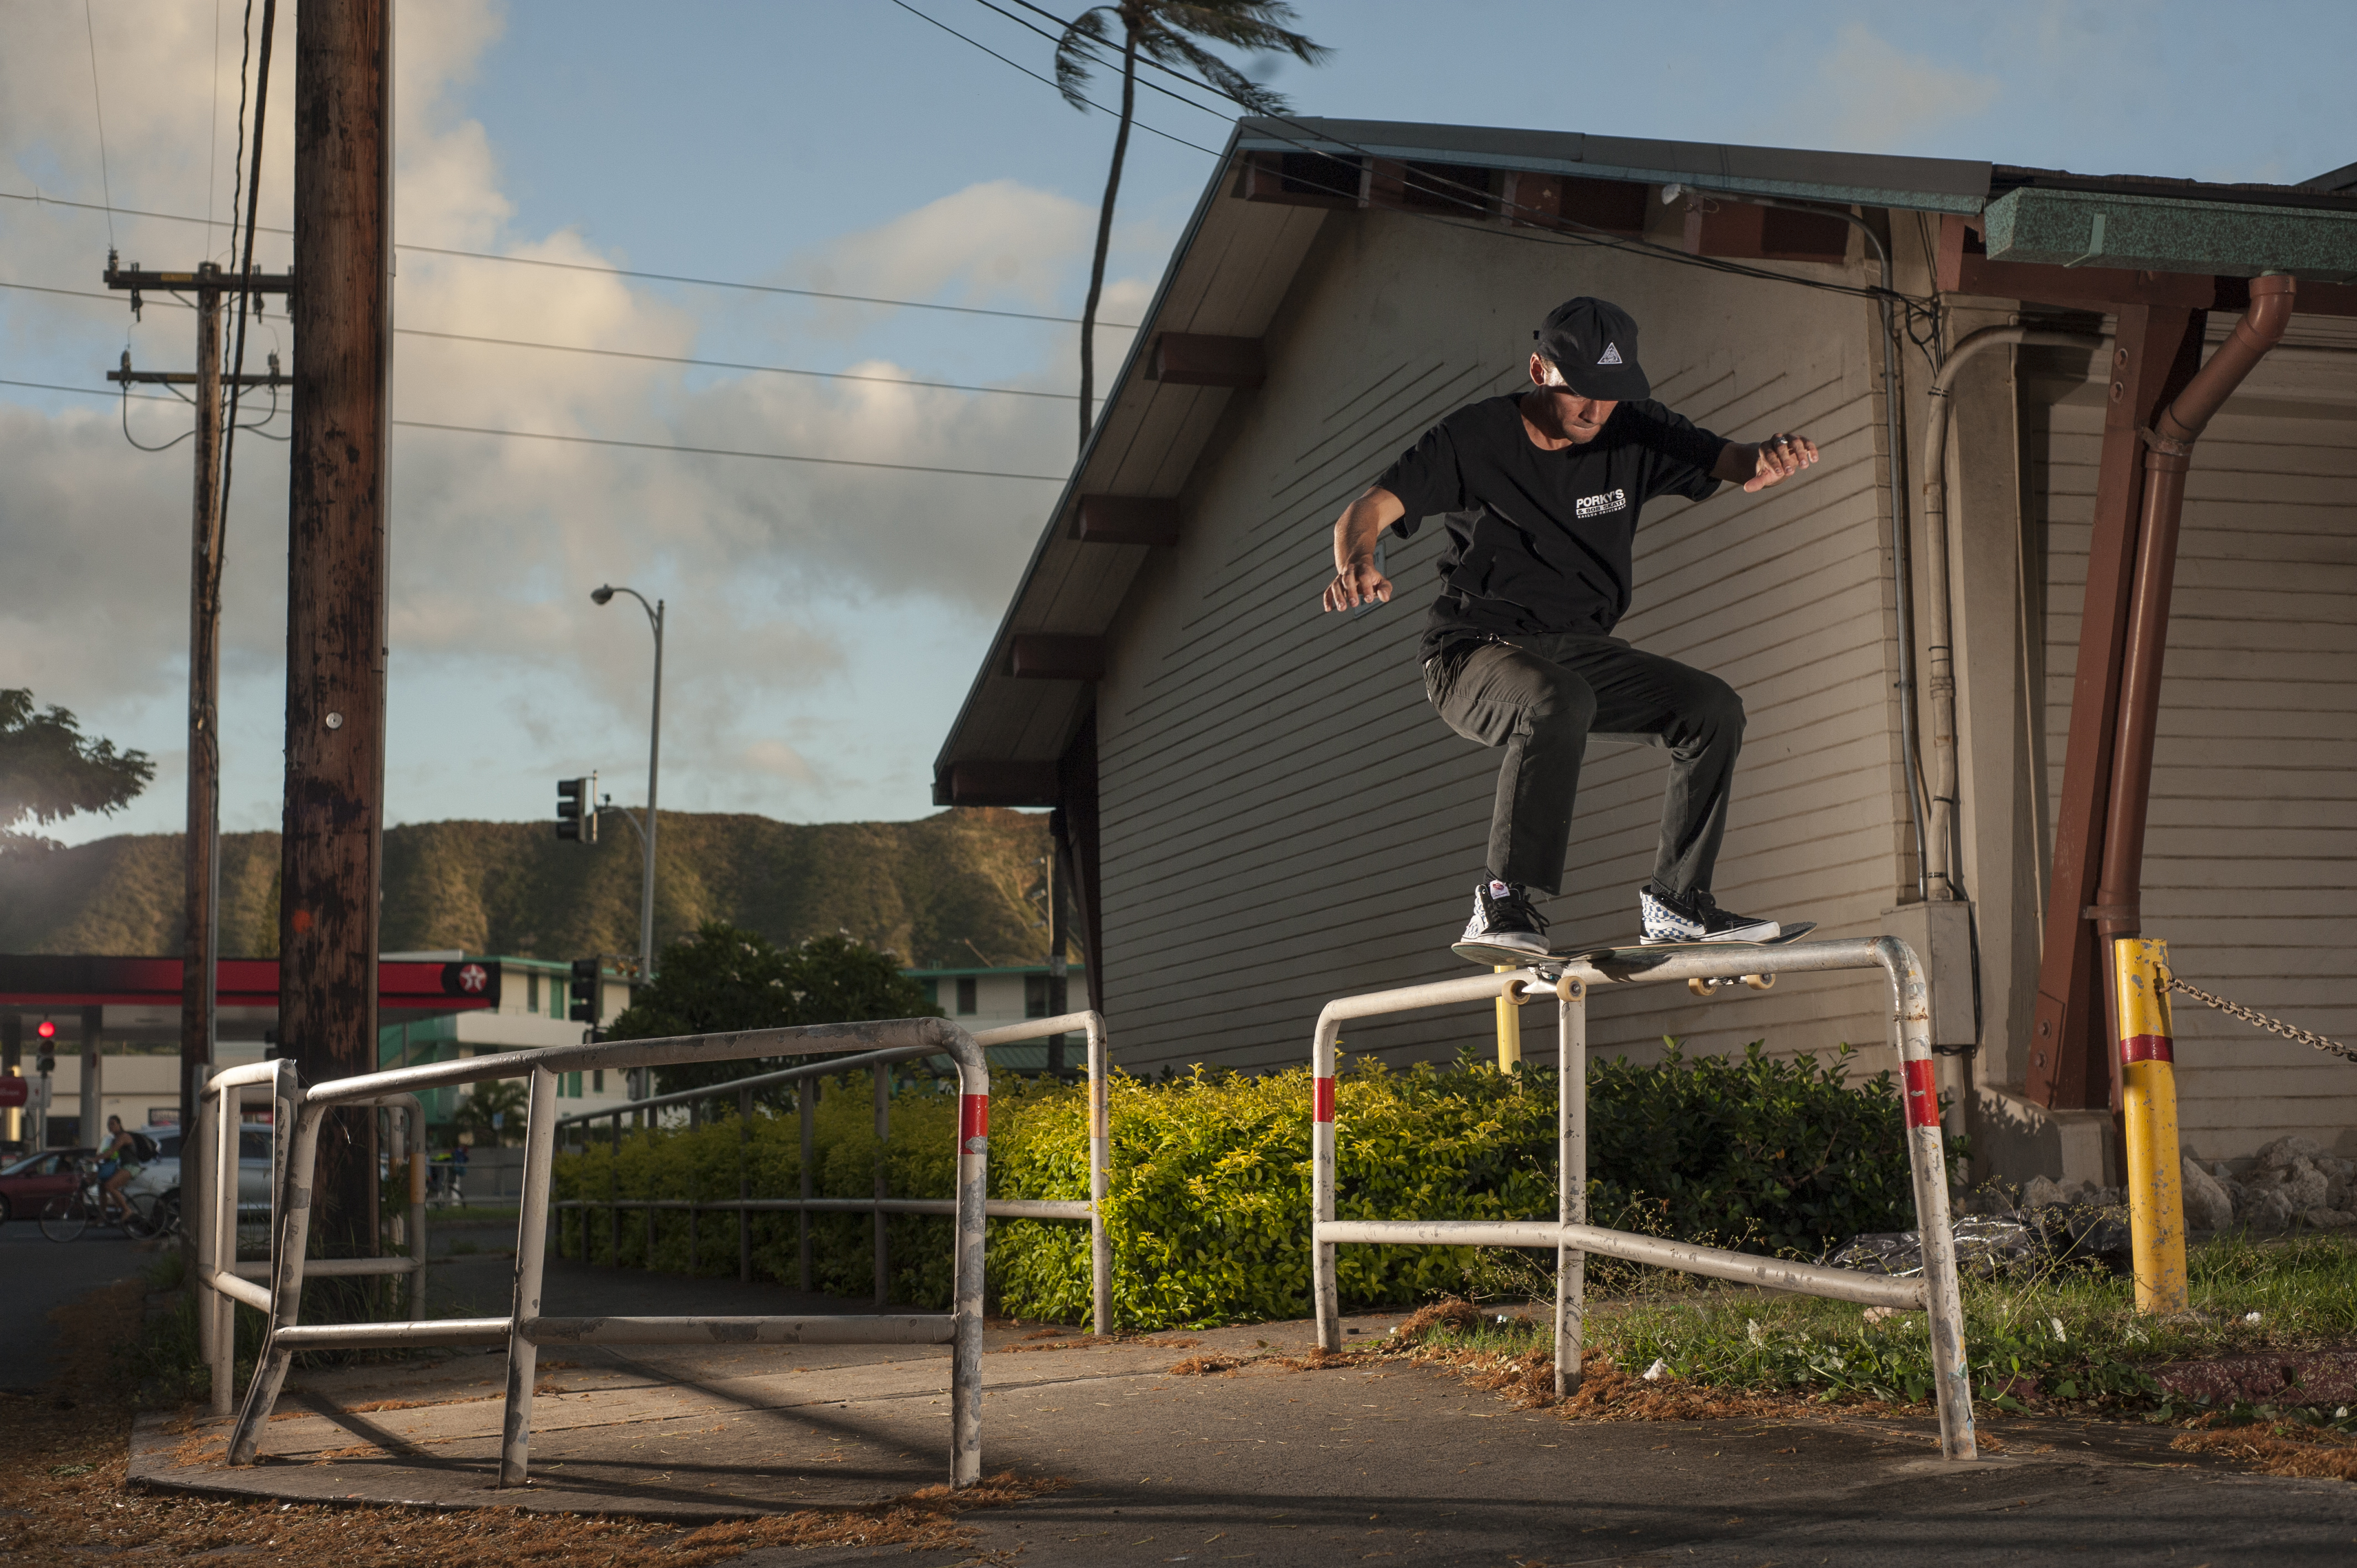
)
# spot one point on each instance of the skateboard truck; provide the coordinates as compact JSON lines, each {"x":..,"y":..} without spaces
{"x":1704,"y":987}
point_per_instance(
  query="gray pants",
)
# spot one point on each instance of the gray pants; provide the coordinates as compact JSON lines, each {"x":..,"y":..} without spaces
{"x":1540,"y":697}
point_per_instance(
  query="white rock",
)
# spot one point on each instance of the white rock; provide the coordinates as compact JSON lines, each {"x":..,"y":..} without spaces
{"x":2330,"y":1218}
{"x":2306,"y":1188}
{"x":2043,"y":1193}
{"x":2206,"y":1204}
{"x":1657,"y":1371}
{"x":2280,"y":1153}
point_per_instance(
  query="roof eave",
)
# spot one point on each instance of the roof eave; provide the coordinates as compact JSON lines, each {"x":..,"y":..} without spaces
{"x":1065,"y":498}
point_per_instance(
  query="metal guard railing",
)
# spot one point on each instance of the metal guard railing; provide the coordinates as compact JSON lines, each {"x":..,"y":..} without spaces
{"x":745,"y":1205}
{"x":301,"y":1108}
{"x":1569,"y":1233}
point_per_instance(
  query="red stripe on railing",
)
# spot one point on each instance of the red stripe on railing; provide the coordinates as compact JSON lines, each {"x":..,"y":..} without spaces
{"x":973,"y":1117}
{"x":1321,"y":1098}
{"x":2147,"y":1048}
{"x":1923,"y":1096}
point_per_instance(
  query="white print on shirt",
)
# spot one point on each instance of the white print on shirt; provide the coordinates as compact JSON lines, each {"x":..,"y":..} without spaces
{"x":1597,"y":506}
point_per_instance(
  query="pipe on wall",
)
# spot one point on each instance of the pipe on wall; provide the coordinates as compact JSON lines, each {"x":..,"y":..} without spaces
{"x":2169,"y":453}
{"x":1941,"y":856}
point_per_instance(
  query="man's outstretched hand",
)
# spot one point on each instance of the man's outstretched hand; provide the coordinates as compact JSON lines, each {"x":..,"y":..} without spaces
{"x":1357,"y":584}
{"x":1771,"y":462}
{"x":1357,"y":579}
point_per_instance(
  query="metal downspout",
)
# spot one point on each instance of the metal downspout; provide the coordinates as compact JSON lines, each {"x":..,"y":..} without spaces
{"x":1895,"y":441}
{"x":1940,"y":864}
{"x":2168,"y":451}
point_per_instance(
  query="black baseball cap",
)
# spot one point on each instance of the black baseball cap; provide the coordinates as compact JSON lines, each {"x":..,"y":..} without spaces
{"x":1594,"y":343}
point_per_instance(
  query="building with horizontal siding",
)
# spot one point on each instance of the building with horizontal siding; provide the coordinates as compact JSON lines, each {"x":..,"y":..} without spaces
{"x":1258,"y":810}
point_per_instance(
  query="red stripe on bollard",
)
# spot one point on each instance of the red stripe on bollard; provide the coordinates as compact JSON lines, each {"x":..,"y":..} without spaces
{"x":1321,"y":1098}
{"x":973,"y":1117}
{"x":1923,"y":1096}
{"x":2146,"y":1048}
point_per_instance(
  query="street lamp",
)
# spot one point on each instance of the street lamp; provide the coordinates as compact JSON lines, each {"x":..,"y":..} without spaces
{"x":604,"y":595}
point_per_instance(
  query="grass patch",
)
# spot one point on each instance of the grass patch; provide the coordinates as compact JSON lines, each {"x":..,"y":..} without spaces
{"x":469,"y":1214}
{"x":2062,"y":1338}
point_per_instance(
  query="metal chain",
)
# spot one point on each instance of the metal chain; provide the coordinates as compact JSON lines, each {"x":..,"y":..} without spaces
{"x":2256,"y":1019}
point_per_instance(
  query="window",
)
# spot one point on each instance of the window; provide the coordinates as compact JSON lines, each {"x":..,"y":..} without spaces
{"x":1035,"y":996}
{"x":932,"y":991}
{"x":532,"y":992}
{"x":598,"y":1081}
{"x":965,"y":995}
{"x":557,"y":997}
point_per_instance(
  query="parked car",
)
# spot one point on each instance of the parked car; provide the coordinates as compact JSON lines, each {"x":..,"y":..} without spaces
{"x":161,"y":1177}
{"x":32,"y":1181}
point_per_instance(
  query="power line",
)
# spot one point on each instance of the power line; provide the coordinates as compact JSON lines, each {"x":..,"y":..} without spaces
{"x":90,"y":391}
{"x":97,"y":104}
{"x":39,"y":200}
{"x":726,"y":452}
{"x":727,"y":364}
{"x":630,"y":354}
{"x":1211,"y":152}
{"x":1110,"y":64}
{"x":611,"y":271}
{"x":611,"y":441}
{"x":1324,"y":141}
{"x":757,"y":287}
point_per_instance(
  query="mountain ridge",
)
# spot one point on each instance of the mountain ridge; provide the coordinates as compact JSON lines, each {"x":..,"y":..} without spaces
{"x":936,"y":891}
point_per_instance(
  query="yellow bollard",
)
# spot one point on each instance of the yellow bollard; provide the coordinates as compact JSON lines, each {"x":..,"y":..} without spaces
{"x":2149,"y":1103}
{"x":1510,"y":1025}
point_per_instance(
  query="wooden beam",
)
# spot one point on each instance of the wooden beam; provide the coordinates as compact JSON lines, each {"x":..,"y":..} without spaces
{"x":1042,"y":656}
{"x":1577,"y":204}
{"x":1197,"y":360}
{"x":1302,"y":179}
{"x":1748,"y":232}
{"x":1126,"y":519}
{"x":1001,"y":784}
{"x":2157,"y":353}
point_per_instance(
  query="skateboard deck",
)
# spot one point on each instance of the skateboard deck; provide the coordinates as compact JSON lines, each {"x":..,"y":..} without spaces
{"x":1627,"y":952}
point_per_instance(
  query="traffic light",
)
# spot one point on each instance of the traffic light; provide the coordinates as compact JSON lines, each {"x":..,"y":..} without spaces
{"x":582,"y":990}
{"x":48,"y":1032}
{"x":576,"y":808}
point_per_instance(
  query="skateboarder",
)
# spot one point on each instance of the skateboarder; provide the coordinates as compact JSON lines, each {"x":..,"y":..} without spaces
{"x":1540,"y":492}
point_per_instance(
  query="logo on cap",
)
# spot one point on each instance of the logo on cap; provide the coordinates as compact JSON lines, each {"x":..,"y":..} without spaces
{"x":1611,"y":355}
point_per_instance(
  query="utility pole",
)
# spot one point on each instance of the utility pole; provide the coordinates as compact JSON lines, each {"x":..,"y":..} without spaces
{"x":334,"y":812}
{"x":200,"y":901}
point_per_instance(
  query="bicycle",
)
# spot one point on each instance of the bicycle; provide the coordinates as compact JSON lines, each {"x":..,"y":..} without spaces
{"x":65,"y":1217}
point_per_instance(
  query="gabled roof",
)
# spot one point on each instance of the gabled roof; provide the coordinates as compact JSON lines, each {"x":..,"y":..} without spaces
{"x":1236,"y":259}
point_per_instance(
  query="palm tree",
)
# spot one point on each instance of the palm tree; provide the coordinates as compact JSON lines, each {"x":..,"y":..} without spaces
{"x":1165,"y":31}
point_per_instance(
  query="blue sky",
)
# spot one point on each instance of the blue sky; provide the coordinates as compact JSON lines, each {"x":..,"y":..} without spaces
{"x":824,"y":622}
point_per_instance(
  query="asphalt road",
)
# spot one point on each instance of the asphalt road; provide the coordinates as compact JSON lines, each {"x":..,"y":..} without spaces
{"x":38,"y":1276}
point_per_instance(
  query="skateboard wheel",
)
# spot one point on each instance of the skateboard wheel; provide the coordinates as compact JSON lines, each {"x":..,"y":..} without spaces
{"x":1700,"y":986}
{"x":1761,"y":981}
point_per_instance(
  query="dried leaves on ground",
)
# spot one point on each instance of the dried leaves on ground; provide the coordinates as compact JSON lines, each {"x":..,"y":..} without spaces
{"x":64,"y":1496}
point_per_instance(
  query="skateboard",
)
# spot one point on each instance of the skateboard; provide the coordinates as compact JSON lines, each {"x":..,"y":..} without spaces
{"x":1632,"y":956}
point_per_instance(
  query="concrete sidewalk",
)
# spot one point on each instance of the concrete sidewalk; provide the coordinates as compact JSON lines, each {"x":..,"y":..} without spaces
{"x":1381,"y":1461}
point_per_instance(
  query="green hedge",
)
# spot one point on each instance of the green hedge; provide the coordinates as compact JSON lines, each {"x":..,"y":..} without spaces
{"x":1210,"y":1180}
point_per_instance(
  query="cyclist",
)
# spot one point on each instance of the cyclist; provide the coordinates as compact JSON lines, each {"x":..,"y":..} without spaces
{"x":118,"y":1161}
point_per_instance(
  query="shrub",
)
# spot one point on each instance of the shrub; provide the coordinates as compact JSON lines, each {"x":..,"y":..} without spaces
{"x":1210,"y":1193}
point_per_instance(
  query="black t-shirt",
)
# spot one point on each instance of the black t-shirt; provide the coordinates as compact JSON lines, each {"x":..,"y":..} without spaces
{"x":1540,"y":540}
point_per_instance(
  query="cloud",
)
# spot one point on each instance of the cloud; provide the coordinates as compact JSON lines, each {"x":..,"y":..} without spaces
{"x":1871,"y":96}
{"x":804,"y":599}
